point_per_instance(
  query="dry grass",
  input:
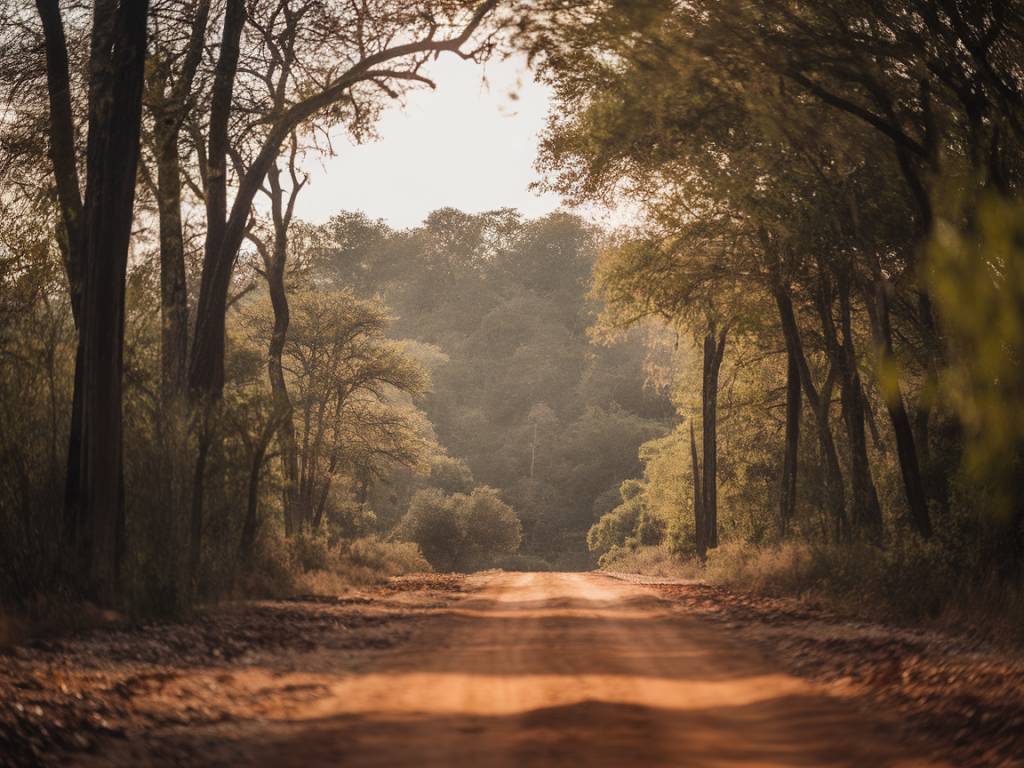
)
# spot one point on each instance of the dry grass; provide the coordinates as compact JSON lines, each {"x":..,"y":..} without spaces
{"x":907,"y":582}
{"x":656,"y":561}
{"x":311,"y":564}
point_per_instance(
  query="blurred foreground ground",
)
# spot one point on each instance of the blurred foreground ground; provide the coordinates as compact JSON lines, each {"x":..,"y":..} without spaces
{"x":505,"y":669}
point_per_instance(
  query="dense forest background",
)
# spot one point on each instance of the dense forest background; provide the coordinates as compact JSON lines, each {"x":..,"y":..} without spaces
{"x":799,"y":370}
{"x":519,"y":392}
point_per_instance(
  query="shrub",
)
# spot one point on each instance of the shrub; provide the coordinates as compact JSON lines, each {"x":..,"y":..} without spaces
{"x":630,"y":522}
{"x":450,"y":475}
{"x":489,"y":527}
{"x":461,"y":532}
{"x":657,"y":561}
{"x":909,"y":580}
{"x":433,"y":524}
{"x":310,"y":563}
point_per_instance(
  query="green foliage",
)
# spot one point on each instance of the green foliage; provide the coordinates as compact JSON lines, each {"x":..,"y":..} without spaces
{"x":658,"y":561}
{"x":517,"y":385}
{"x":314,"y":562}
{"x":978,"y":279}
{"x":489,"y":526}
{"x":630,"y":524}
{"x":619,"y":525}
{"x":461,"y":531}
{"x":450,"y":475}
{"x":432,"y":523}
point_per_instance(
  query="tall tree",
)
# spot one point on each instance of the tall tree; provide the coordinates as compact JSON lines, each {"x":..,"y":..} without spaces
{"x":370,"y":57}
{"x":99,"y":234}
{"x":274,"y":255}
{"x":714,"y":351}
{"x":170,"y":100}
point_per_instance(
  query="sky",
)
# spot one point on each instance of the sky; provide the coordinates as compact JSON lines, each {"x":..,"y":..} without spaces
{"x":468,"y":144}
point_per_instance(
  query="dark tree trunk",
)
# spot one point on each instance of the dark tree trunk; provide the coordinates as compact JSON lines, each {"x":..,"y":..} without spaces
{"x":98,"y":231}
{"x":195,"y":542}
{"x":65,"y":171}
{"x":279,"y":390}
{"x":906,"y":448}
{"x":251,"y":525}
{"x":787,"y":497}
{"x":206,"y":366}
{"x":714,"y":349}
{"x":865,"y":508}
{"x":169,"y":106}
{"x":820,"y":406}
{"x":864,"y":491}
{"x":698,"y":500}
{"x":173,"y":288}
{"x":62,"y":148}
{"x":321,"y":504}
{"x":274,"y":262}
{"x":72,"y":479}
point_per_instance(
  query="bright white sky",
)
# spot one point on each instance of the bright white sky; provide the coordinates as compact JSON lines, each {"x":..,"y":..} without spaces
{"x":469,"y":144}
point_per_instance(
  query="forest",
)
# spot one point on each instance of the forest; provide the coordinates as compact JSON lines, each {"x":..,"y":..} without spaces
{"x":794,"y":372}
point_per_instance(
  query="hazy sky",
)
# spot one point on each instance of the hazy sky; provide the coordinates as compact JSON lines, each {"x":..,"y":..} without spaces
{"x":468,"y":144}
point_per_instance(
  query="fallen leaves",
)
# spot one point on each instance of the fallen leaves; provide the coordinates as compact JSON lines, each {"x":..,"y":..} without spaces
{"x":70,"y":695}
{"x":957,"y":691}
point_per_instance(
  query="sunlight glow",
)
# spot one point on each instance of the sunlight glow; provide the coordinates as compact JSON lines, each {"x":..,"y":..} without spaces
{"x":470,"y":144}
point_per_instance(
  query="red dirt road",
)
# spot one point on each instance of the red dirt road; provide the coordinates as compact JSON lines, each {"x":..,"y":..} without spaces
{"x":548,"y":669}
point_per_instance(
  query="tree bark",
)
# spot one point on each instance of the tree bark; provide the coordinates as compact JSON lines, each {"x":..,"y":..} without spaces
{"x":282,"y":401}
{"x":169,"y":106}
{"x":115,"y":109}
{"x":173,"y":288}
{"x":69,"y":197}
{"x":788,"y":495}
{"x":195,"y":542}
{"x":698,"y":500}
{"x":714,"y":349}
{"x":62,"y":148}
{"x":906,"y":448}
{"x":205,"y":389}
{"x":819,"y":405}
{"x":251,"y":525}
{"x":274,"y":262}
{"x":865,"y":508}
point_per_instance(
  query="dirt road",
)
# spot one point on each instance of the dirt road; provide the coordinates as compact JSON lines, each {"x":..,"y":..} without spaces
{"x":545,"y":670}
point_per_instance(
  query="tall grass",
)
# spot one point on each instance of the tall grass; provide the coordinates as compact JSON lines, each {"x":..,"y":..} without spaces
{"x":909,"y":581}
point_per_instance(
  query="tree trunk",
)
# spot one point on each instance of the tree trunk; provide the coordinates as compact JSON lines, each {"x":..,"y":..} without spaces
{"x":865,"y":508}
{"x":251,"y":525}
{"x":195,"y":539}
{"x":275,"y":260}
{"x":115,"y":106}
{"x":173,"y":288}
{"x":169,"y":107}
{"x":819,"y":405}
{"x":72,"y":479}
{"x":713,"y":352}
{"x":61,"y":145}
{"x":698,"y":500}
{"x":787,"y":498}
{"x":906,"y":449}
{"x":206,"y":364}
{"x":865,"y":493}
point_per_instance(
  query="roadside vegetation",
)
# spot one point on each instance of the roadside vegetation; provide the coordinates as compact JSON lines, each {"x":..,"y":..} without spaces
{"x":830,"y":230}
{"x":797,"y":371}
